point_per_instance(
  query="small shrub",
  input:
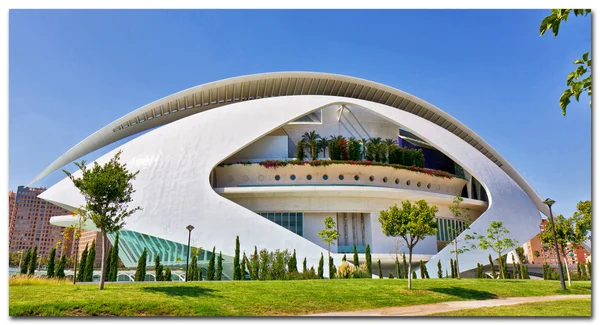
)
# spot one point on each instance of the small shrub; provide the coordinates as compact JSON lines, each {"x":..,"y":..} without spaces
{"x":390,"y":275}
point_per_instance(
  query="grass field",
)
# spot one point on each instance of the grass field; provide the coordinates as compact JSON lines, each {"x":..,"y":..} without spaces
{"x":261,"y":298}
{"x":569,"y":307}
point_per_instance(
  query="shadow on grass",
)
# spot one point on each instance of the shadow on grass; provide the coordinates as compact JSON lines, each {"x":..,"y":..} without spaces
{"x":466,"y":293}
{"x":182,"y":291}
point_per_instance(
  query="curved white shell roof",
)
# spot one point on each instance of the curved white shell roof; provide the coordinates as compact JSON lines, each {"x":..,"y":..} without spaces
{"x":277,"y":84}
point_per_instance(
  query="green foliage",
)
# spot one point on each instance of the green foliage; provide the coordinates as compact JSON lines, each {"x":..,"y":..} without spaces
{"x":219,"y":267}
{"x":312,"y":138}
{"x":300,"y":150}
{"x":50,"y":270}
{"x":344,"y":258}
{"x":414,"y":274}
{"x":397,"y":268}
{"x":82,"y":265}
{"x":390,"y":275}
{"x":343,"y":147}
{"x":243,"y":266}
{"x":521,"y":253}
{"x":88,"y":275}
{"x":422,"y":269}
{"x":379,"y":273}
{"x":237,"y":271}
{"x":368,"y":257}
{"x":140,"y":271}
{"x":293,"y":264}
{"x":320,"y":269}
{"x":304,"y":269}
{"x":582,"y":219}
{"x":210,"y":272}
{"x":405,"y":270}
{"x":158,"y":269}
{"x":333,"y":148}
{"x":479,"y":271}
{"x":109,"y":264}
{"x":354,"y":152}
{"x":60,"y":269}
{"x":254,"y":265}
{"x":192,"y":271}
{"x":114,"y":260}
{"x":32,"y":262}
{"x":332,"y":269}
{"x":25,"y":262}
{"x":355,"y":257}
{"x":439,"y":269}
{"x":330,"y":234}
{"x":493,"y":269}
{"x":589,"y":268}
{"x":322,"y":144}
{"x":167,"y":276}
{"x":497,"y":240}
{"x":452,"y":269}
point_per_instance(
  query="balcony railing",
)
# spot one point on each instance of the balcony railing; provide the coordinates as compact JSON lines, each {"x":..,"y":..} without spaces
{"x":350,"y":249}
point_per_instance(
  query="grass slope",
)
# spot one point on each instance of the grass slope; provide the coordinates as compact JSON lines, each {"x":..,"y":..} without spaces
{"x":569,"y":307}
{"x":262,"y":298}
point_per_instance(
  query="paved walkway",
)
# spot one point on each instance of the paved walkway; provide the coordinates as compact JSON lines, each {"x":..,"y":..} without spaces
{"x":423,"y":310}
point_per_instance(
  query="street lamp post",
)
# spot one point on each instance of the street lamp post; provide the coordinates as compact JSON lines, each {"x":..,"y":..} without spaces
{"x":187,"y":259}
{"x":549,"y":202}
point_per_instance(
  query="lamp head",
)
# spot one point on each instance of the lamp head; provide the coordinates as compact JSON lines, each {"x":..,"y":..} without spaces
{"x":189,"y":227}
{"x":549,"y":202}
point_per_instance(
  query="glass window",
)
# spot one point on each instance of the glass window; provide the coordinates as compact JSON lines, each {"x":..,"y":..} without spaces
{"x":286,"y":220}
{"x":325,"y":177}
{"x":278,"y":218}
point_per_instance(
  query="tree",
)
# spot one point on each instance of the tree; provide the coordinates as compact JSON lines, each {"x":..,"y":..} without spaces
{"x":397,"y":267}
{"x":322,"y":145}
{"x":140,"y":272}
{"x":292,"y":263}
{"x":82,"y":264}
{"x":114,"y":260}
{"x":566,"y":233}
{"x":390,"y":275}
{"x":210,"y":272}
{"x":60,"y":269}
{"x":255,"y":265}
{"x":320,"y":269}
{"x":167,"y":276}
{"x":25,"y":262}
{"x":405,"y":270}
{"x":461,"y":215}
{"x":497,"y":240}
{"x":32,"y":262}
{"x":379,"y":269}
{"x":329,"y":235}
{"x":109,"y":264}
{"x":422,"y":269}
{"x":193,"y":272}
{"x":107,"y":190}
{"x":300,"y":147}
{"x":412,"y":222}
{"x":414,"y":274}
{"x":439,"y":272}
{"x":536,"y":253}
{"x":219,"y":266}
{"x":368,"y":258}
{"x":311,"y":138}
{"x":582,"y":219}
{"x":237,"y":271}
{"x":158,"y":269}
{"x":88,"y":275}
{"x":580,"y":80}
{"x":243,"y":266}
{"x":354,"y":152}
{"x":493,"y":269}
{"x":332,"y":269}
{"x":50,"y":270}
{"x":452,"y":269}
{"x":304,"y":269}
{"x":355,"y":257}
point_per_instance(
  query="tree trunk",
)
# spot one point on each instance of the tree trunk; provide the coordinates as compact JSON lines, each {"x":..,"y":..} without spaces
{"x":102,"y":264}
{"x":410,"y":267}
{"x":456,"y":253}
{"x":567,"y":268}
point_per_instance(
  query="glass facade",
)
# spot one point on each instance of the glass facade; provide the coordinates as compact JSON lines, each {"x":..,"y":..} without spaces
{"x":292,"y":221}
{"x":445,"y":227}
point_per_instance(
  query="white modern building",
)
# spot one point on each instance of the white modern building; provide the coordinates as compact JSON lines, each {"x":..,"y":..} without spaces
{"x":203,"y":163}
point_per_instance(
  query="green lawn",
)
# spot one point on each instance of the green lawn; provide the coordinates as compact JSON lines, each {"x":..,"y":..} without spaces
{"x":262,"y":298}
{"x":570,"y":307}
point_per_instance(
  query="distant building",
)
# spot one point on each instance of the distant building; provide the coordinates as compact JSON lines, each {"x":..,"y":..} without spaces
{"x":87,"y":237}
{"x":548,"y":254}
{"x":29,"y":222}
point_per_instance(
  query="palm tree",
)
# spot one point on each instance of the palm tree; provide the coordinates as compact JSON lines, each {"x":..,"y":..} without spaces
{"x":322,"y":145}
{"x":363,"y":143}
{"x":388,"y":145}
{"x":311,"y":138}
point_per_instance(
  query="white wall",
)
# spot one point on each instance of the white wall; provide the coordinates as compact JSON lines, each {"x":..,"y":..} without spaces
{"x":313,"y":223}
{"x":268,"y":147}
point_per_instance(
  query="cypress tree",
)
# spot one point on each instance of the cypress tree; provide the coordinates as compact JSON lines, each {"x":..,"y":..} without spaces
{"x":256,"y":264}
{"x":446,"y":273}
{"x":210,"y":272}
{"x":390,"y":275}
{"x":527,"y":272}
{"x":421,"y":269}
{"x":522,"y":269}
{"x":50,"y":272}
{"x":456,"y":269}
{"x":304,"y":269}
{"x":140,"y":272}
{"x":158,"y":269}
{"x":397,"y":266}
{"x":332,"y":269}
{"x":492,"y":266}
{"x":114,"y":259}
{"x":192,"y":272}
{"x":219,"y":267}
{"x":426,"y":273}
{"x":355,"y":259}
{"x":439,"y":273}
{"x":320,"y":269}
{"x":60,"y":269}
{"x":344,"y":258}
{"x":88,"y":276}
{"x":404,"y":266}
{"x":379,"y":269}
{"x":108,"y":265}
{"x":167,"y":276}
{"x":414,"y":274}
{"x":82,"y":263}
{"x":292,"y":263}
{"x":32,"y":262}
{"x":237,"y":271}
{"x":25,"y":261}
{"x":589,"y":269}
{"x":243,"y":267}
{"x":514,"y":266}
{"x":368,"y":258}
{"x":198,"y":275}
{"x":583,"y":271}
{"x":452,"y":268}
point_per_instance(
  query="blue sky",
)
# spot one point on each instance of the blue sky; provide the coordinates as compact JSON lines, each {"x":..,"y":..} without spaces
{"x":73,"y":72}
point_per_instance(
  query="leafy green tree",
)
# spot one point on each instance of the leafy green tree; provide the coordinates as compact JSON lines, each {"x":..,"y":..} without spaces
{"x":107,"y":191}
{"x":237,"y":271}
{"x":210,"y":272}
{"x":219,"y":266}
{"x":355,"y":257}
{"x":50,"y":270}
{"x":167,"y":276}
{"x":368,"y":258}
{"x":439,"y":272}
{"x":329,"y":235}
{"x":158,"y":269}
{"x":300,"y":150}
{"x":388,"y":144}
{"x":88,"y":274}
{"x":580,"y":80}
{"x":255,"y":265}
{"x":322,"y":145}
{"x":582,"y":219}
{"x":412,"y":222}
{"x":497,"y":240}
{"x":462,"y":216}
{"x":566,"y":234}
{"x":140,"y":272}
{"x":379,"y":273}
{"x":82,"y":265}
{"x":60,"y":269}
{"x":312,"y":138}
{"x":320,"y":269}
{"x":32,"y":262}
{"x":354,"y":151}
{"x":292,"y":263}
{"x":25,"y":263}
